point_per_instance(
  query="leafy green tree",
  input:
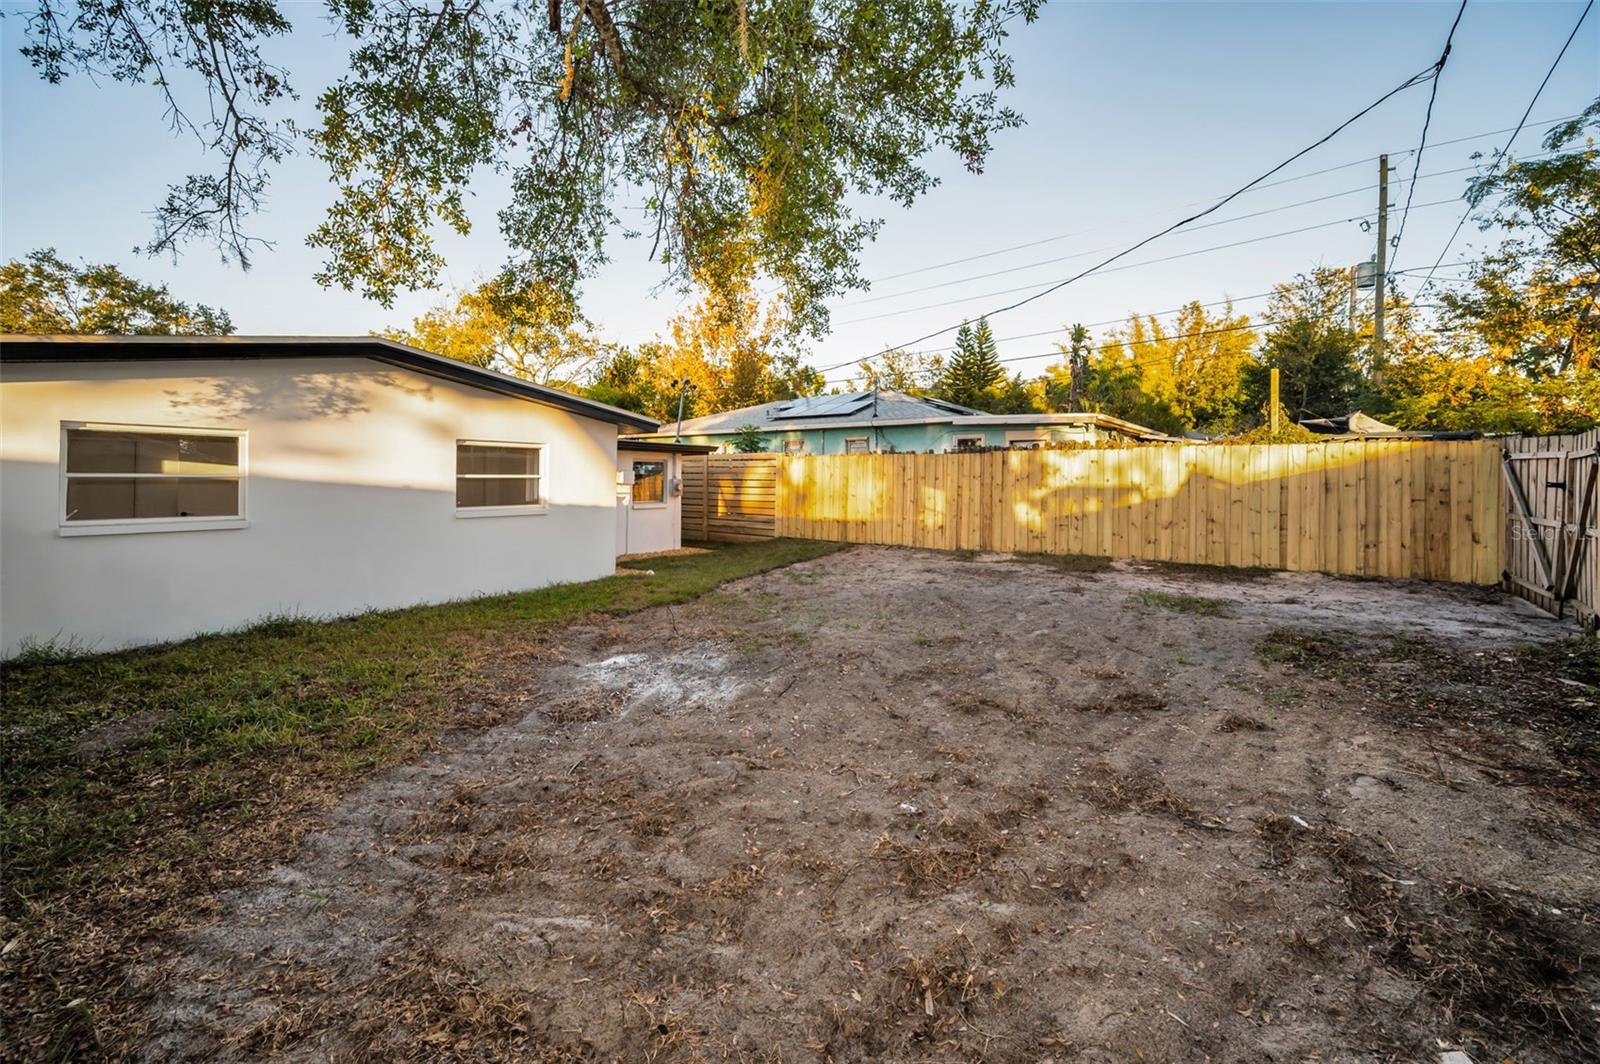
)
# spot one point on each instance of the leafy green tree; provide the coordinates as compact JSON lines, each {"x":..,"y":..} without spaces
{"x":760,"y":119}
{"x":973,"y":376}
{"x":1528,"y":322}
{"x":535,"y":333}
{"x":625,"y":378}
{"x":46,"y":294}
{"x":1191,"y":370}
{"x":1067,"y":382}
{"x":1317,"y":354}
{"x":908,"y":372}
{"x":747,"y":439}
{"x":1116,"y":387}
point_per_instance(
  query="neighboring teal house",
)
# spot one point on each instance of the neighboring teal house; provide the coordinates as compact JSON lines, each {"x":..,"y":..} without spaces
{"x":893,"y":421}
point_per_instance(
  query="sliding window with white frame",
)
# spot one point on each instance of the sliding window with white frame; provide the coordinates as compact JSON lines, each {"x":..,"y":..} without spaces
{"x":499,"y":479}
{"x":150,"y":478}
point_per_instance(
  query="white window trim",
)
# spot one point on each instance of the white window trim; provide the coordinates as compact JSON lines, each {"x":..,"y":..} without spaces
{"x":543,"y":477}
{"x":1027,"y":440}
{"x":666,"y":484}
{"x":124,"y":526}
{"x":955,"y":439}
{"x":848,"y":440}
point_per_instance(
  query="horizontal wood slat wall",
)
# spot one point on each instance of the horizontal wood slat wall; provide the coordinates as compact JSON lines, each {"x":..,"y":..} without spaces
{"x":730,"y":497}
{"x":1394,"y":508}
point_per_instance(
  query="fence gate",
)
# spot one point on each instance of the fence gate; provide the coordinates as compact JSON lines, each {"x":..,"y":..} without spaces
{"x":1552,"y":506}
{"x":730,"y":497}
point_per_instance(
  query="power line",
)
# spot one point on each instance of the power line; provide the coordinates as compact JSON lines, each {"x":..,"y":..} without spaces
{"x":1192,"y":203}
{"x":1193,"y":229}
{"x":1500,"y":155}
{"x":1427,"y":120}
{"x":1152,"y":359}
{"x":1227,"y":301}
{"x":1053,"y":286}
{"x":1414,"y":80}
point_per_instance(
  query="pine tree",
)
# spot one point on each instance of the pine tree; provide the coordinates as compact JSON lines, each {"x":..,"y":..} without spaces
{"x":974,"y":372}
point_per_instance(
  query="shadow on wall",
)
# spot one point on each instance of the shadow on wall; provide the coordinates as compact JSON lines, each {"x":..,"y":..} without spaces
{"x":1371,"y":508}
{"x":313,"y":549}
{"x":295,"y":396}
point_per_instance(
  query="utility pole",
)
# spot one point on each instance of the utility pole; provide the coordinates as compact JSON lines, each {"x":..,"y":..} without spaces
{"x":1383,"y":268}
{"x":1274,"y":402}
{"x":683,"y":389}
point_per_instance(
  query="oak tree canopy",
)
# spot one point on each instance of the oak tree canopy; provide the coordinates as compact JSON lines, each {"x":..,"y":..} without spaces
{"x":693,"y":125}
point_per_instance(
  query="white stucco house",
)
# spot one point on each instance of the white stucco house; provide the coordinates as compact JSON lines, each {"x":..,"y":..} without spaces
{"x":152,"y":488}
{"x":650,"y":494}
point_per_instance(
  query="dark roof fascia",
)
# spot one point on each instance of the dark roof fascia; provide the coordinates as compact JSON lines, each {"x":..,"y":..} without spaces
{"x":628,"y":443}
{"x":85,"y":348}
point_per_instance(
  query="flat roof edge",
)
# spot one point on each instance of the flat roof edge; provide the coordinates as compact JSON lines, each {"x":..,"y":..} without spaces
{"x":103,"y":348}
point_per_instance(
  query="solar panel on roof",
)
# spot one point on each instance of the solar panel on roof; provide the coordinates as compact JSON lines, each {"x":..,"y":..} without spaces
{"x":825,"y":406}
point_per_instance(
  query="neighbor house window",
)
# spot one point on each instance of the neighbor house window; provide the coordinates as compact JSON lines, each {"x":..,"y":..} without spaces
{"x":649,"y":482}
{"x":499,"y":478}
{"x":148,"y":478}
{"x":971,"y":443}
{"x":856,"y":445}
{"x":794,"y":446}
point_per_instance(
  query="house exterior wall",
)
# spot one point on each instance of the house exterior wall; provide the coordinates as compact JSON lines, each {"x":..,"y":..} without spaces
{"x":647,"y":528}
{"x":350,"y":498}
{"x":936,"y":436}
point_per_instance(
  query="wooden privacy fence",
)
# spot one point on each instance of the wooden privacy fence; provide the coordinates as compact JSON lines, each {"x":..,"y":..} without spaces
{"x":729,"y":497}
{"x":1551,"y":520}
{"x":1392,"y":508}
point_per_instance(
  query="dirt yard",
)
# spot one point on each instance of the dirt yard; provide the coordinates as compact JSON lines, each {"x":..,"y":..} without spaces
{"x":897,"y":805}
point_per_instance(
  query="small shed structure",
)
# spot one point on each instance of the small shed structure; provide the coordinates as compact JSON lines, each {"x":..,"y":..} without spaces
{"x":650,"y":494}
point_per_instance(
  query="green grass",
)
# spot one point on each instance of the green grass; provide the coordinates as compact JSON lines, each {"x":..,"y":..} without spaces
{"x":1205,"y":607}
{"x":120,"y":760}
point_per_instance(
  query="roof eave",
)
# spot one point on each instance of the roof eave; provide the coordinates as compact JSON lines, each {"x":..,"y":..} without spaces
{"x":97,"y":348}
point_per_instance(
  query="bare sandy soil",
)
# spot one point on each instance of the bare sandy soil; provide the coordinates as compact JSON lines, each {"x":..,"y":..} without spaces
{"x":897,"y":805}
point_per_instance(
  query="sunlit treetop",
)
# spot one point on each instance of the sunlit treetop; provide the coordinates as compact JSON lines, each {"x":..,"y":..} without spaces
{"x":689,"y":125}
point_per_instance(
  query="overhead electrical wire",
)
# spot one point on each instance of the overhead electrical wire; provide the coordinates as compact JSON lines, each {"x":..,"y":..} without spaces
{"x":1152,"y":359}
{"x":1411,"y":82}
{"x":1192,"y":203}
{"x":1500,"y":155}
{"x":1427,"y":120}
{"x":1053,"y":286}
{"x":1194,"y":229}
{"x":1226,"y":301}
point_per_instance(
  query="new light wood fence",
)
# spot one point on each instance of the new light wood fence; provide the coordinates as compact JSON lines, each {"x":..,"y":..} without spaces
{"x":729,"y":497}
{"x":1553,"y":521}
{"x":1425,"y":509}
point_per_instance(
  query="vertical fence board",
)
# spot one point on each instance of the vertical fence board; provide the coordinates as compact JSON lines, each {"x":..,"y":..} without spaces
{"x":1393,"y":508}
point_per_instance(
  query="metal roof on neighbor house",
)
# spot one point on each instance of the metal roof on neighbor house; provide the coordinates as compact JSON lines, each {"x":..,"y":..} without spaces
{"x":90,"y":348}
{"x":804,"y":413}
{"x":885,"y":410}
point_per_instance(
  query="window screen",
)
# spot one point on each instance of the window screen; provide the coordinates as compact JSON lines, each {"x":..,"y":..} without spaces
{"x":649,"y":481}
{"x":146,"y":474}
{"x":498,"y":474}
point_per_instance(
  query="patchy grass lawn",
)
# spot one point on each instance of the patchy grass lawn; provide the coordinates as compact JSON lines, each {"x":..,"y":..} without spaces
{"x":136,"y":778}
{"x":903,"y":806}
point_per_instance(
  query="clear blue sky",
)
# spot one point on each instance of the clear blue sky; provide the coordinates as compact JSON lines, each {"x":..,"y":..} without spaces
{"x":1134,"y":110}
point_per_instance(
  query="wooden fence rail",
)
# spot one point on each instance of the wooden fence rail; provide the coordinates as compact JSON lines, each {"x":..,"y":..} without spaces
{"x":1553,"y":521}
{"x":1392,"y":508}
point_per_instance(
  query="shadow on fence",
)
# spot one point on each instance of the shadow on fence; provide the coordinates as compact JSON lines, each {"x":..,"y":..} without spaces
{"x":1392,"y":508}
